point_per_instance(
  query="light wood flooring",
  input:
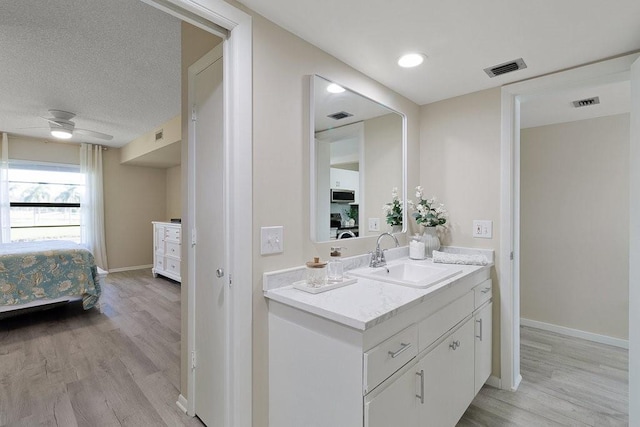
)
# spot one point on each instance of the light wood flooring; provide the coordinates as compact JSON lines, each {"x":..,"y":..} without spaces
{"x":565,"y":381}
{"x":121,"y":367}
{"x":116,"y":367}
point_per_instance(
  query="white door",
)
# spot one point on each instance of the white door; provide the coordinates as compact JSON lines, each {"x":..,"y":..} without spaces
{"x":210,"y":279}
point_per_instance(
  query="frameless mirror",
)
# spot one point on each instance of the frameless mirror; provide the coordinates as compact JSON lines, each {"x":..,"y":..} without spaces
{"x":357,"y":159}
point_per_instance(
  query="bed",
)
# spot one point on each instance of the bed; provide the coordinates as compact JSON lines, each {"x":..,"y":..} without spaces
{"x":42,"y":273}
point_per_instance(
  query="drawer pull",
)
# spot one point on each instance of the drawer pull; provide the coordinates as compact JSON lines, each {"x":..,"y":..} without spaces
{"x":485,"y":290}
{"x":421,"y":395}
{"x":454,"y":345}
{"x":480,"y":322}
{"x":397,"y":353}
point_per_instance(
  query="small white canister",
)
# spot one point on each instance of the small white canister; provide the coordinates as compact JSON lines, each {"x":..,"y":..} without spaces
{"x":417,"y":247}
{"x":316,"y":273}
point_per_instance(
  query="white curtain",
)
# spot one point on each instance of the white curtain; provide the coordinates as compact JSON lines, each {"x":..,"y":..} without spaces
{"x":92,"y":203}
{"x":5,"y":224}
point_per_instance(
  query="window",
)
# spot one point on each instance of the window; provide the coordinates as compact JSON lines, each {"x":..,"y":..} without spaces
{"x":45,"y":201}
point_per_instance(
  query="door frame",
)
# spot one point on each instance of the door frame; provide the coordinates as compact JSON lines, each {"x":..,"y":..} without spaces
{"x":611,"y":70}
{"x":235,"y":27}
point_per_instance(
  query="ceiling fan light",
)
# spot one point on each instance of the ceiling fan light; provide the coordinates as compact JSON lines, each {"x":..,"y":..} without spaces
{"x":61,"y":133}
{"x":410,"y":60}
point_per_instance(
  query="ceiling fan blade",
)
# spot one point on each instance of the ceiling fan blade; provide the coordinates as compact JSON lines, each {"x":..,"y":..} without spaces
{"x":93,"y":134}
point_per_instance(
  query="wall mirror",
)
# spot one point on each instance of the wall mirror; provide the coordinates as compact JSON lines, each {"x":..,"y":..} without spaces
{"x":357,"y":158}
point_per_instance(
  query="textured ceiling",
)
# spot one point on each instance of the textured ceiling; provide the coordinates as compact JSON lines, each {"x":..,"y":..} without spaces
{"x":115,"y":63}
{"x":460,"y":38}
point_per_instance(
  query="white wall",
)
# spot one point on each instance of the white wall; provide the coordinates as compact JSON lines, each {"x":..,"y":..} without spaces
{"x":174,"y":192}
{"x":460,"y":164}
{"x":383,"y":168}
{"x":574,"y":233}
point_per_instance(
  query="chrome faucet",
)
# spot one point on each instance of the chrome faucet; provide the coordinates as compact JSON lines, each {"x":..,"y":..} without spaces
{"x":377,"y":257}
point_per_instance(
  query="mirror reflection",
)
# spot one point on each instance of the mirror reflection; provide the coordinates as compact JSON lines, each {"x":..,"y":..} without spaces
{"x":357,"y":161}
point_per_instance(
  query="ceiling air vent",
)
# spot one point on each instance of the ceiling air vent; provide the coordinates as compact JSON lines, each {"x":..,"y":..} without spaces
{"x":507,"y":67}
{"x":586,"y":102}
{"x":340,"y":115}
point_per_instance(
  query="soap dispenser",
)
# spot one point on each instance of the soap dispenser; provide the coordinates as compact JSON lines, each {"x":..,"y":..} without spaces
{"x":335,"y":273}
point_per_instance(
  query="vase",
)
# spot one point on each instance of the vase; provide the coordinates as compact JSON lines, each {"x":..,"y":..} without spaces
{"x":431,"y":240}
{"x":396,"y":228}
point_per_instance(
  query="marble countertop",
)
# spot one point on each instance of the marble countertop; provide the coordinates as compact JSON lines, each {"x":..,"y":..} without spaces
{"x":363,"y":304}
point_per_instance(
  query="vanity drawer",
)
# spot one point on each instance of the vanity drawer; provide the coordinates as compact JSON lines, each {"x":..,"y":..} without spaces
{"x":389,"y":356}
{"x":173,"y":249}
{"x":439,"y":323}
{"x":172,"y":265}
{"x":482,"y":293}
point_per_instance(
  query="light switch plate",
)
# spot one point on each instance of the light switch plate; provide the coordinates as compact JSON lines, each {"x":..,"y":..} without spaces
{"x":271,"y":240}
{"x":482,"y":229}
{"x":374,"y":224}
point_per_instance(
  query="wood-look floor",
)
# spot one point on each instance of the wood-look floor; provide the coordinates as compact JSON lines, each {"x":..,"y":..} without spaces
{"x":119,"y":366}
{"x":565,"y":381}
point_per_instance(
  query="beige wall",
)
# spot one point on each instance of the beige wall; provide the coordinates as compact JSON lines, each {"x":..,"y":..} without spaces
{"x":40,"y":150}
{"x":460,"y":164}
{"x":574,"y":238}
{"x":194,"y":44}
{"x":174,"y":192}
{"x":383,"y":167}
{"x":133,"y":197}
{"x":146,"y":143}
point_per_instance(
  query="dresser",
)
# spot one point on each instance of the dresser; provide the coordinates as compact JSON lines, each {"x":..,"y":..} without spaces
{"x":167,"y":249}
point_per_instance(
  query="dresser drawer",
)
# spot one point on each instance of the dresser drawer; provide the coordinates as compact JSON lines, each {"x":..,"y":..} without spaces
{"x":389,"y":356}
{"x":172,"y":265}
{"x":172,"y":249}
{"x":482,"y":293}
{"x":159,"y":263}
{"x":439,"y":323}
{"x":172,"y":233}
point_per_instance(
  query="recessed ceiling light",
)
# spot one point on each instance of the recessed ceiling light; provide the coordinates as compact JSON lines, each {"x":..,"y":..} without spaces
{"x":410,"y":60}
{"x":334,"y":88}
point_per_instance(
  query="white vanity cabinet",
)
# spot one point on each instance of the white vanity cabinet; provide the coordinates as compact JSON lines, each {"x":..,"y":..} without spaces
{"x":419,"y":366}
{"x":482,"y":316}
{"x":167,"y":238}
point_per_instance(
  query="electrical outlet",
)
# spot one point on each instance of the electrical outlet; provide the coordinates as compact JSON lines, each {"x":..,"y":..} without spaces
{"x":482,"y":229}
{"x":374,"y":224}
{"x":271,"y":240}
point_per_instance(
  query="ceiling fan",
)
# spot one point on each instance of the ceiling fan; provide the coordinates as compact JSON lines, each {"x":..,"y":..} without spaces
{"x":62,"y":127}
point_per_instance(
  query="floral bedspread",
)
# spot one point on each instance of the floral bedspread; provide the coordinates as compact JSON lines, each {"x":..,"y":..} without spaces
{"x":38,"y":270}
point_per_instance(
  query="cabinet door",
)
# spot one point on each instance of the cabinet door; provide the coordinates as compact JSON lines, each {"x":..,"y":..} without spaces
{"x":449,"y":378}
{"x":397,"y":404}
{"x":483,"y":324}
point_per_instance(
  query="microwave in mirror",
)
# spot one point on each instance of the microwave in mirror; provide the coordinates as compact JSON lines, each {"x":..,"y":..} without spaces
{"x":342,"y":196}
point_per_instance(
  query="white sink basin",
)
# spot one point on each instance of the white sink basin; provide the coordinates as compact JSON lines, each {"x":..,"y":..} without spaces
{"x":409,"y":273}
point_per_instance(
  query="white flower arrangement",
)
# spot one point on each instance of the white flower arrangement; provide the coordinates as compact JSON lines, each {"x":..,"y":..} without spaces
{"x":428,"y":212}
{"x":393,"y":210}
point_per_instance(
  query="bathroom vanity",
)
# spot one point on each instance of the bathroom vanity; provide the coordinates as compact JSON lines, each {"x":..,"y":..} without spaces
{"x":378,"y":354}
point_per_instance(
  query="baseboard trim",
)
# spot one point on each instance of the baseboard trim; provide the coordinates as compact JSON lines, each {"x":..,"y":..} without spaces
{"x":182,"y":403}
{"x":576,"y":333}
{"x":494,"y":382}
{"x":134,"y":267}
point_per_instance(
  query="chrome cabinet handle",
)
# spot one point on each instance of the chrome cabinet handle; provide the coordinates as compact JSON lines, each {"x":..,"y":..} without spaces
{"x":421,"y":395}
{"x":485,"y":290}
{"x":454,"y":345}
{"x":480,"y":322}
{"x":220,"y":272}
{"x":403,"y":347}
